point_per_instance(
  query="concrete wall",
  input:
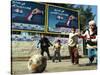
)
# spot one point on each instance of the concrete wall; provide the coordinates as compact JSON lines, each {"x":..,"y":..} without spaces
{"x":28,"y":48}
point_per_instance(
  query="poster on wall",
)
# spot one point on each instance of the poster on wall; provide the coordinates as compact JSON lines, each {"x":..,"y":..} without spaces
{"x":27,"y":15}
{"x":61,"y":19}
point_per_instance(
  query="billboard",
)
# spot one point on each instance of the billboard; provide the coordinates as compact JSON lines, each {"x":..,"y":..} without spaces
{"x":27,"y":15}
{"x":61,"y":19}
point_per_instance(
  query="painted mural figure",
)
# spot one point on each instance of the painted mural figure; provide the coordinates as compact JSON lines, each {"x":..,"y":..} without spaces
{"x":44,"y":45}
{"x":91,"y":40}
{"x":73,"y":46}
{"x":57,"y":48}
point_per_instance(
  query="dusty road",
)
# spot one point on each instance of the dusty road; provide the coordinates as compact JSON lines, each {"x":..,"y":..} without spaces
{"x":20,"y":67}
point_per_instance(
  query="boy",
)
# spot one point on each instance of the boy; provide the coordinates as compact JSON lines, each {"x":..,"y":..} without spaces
{"x":72,"y":46}
{"x":57,"y":47}
{"x":44,"y":44}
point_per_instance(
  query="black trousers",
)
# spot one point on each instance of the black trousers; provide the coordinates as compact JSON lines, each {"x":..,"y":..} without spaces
{"x":45,"y":49}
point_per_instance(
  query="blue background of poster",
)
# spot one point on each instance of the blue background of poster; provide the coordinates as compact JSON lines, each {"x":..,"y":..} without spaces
{"x":21,"y":11}
{"x":58,"y":17}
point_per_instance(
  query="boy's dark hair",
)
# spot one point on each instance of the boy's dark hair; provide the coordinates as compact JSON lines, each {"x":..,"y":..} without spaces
{"x":42,"y":34}
{"x":59,"y":41}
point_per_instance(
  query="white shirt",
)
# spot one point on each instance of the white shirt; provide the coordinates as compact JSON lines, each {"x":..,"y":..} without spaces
{"x":73,"y":39}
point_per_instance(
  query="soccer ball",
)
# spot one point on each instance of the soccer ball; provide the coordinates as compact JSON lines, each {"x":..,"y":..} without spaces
{"x":37,"y":63}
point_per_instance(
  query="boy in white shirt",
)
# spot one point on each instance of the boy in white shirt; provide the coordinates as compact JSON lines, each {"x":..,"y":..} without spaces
{"x":72,"y":46}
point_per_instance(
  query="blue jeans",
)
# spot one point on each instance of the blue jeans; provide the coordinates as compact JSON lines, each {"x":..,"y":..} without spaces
{"x":92,"y":53}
